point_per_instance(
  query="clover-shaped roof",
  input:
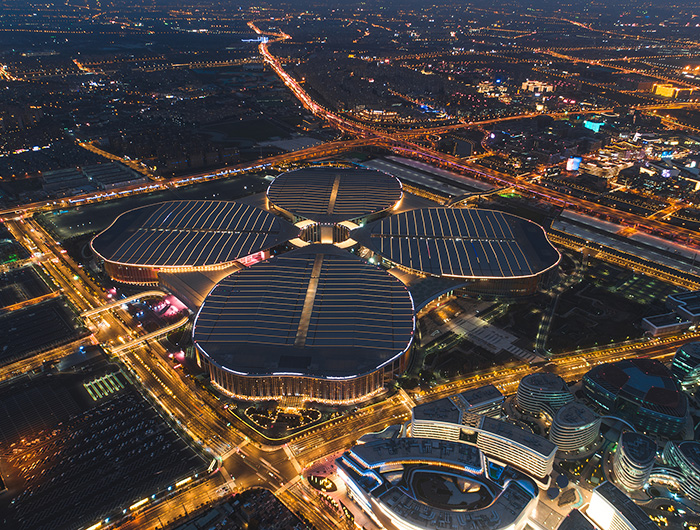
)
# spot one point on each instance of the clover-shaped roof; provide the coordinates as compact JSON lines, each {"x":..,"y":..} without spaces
{"x":190,"y":234}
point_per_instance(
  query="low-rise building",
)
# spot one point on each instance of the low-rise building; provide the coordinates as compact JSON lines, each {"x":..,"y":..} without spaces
{"x":501,"y":442}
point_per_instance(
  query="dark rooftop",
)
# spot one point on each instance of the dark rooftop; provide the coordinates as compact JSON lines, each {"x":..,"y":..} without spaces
{"x":640,"y":448}
{"x":441,"y":410}
{"x":575,"y":521}
{"x":190,"y":234}
{"x":532,"y":441}
{"x":481,"y":395}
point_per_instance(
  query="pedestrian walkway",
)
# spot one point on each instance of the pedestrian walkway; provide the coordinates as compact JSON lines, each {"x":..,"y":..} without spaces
{"x":489,"y":337}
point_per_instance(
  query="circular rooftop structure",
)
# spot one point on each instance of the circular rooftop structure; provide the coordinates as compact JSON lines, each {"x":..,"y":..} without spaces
{"x":332,"y":194}
{"x":686,"y":365}
{"x":461,"y":243}
{"x":316,"y":322}
{"x":543,"y":392}
{"x":641,"y":391}
{"x":575,"y":427}
{"x":179,"y":236}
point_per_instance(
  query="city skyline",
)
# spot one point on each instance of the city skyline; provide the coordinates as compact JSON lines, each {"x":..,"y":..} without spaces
{"x":378,"y":265}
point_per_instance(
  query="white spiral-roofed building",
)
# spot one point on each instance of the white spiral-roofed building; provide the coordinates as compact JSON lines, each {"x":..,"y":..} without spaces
{"x":543,"y":393}
{"x":633,"y":460}
{"x":575,"y":427}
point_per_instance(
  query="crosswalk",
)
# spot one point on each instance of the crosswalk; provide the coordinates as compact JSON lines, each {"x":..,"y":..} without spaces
{"x":104,"y":386}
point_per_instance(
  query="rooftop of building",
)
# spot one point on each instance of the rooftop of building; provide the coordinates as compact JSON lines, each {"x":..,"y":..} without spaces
{"x":190,"y":234}
{"x":332,"y":194}
{"x":502,"y":513}
{"x":644,"y":380}
{"x":576,"y":521}
{"x":535,"y":443}
{"x":461,"y":243}
{"x":441,"y":410}
{"x":690,"y":301}
{"x":546,"y":381}
{"x":638,"y":447}
{"x":480,"y":396}
{"x":433,"y":488}
{"x":575,"y":414}
{"x":376,"y":454}
{"x":665,"y":319}
{"x":317,"y":311}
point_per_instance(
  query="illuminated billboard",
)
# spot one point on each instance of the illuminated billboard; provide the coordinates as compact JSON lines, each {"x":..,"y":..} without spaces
{"x":573,"y":163}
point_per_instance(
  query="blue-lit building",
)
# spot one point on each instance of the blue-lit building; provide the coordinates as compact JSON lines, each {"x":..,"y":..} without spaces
{"x":424,"y":484}
{"x":640,"y":391}
{"x":686,"y":366}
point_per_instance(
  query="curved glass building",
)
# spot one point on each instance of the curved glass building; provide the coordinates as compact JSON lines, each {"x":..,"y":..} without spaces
{"x":686,"y":365}
{"x":640,"y":391}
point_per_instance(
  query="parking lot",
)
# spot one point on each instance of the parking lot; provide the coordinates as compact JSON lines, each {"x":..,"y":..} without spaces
{"x":35,"y":328}
{"x":67,"y":472}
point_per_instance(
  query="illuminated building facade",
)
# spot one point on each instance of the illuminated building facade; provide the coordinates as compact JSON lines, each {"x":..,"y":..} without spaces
{"x":633,"y":460}
{"x":575,"y":427}
{"x":187,"y":236}
{"x":500,"y":441}
{"x":394,"y":482}
{"x":543,"y":393}
{"x":315,"y":323}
